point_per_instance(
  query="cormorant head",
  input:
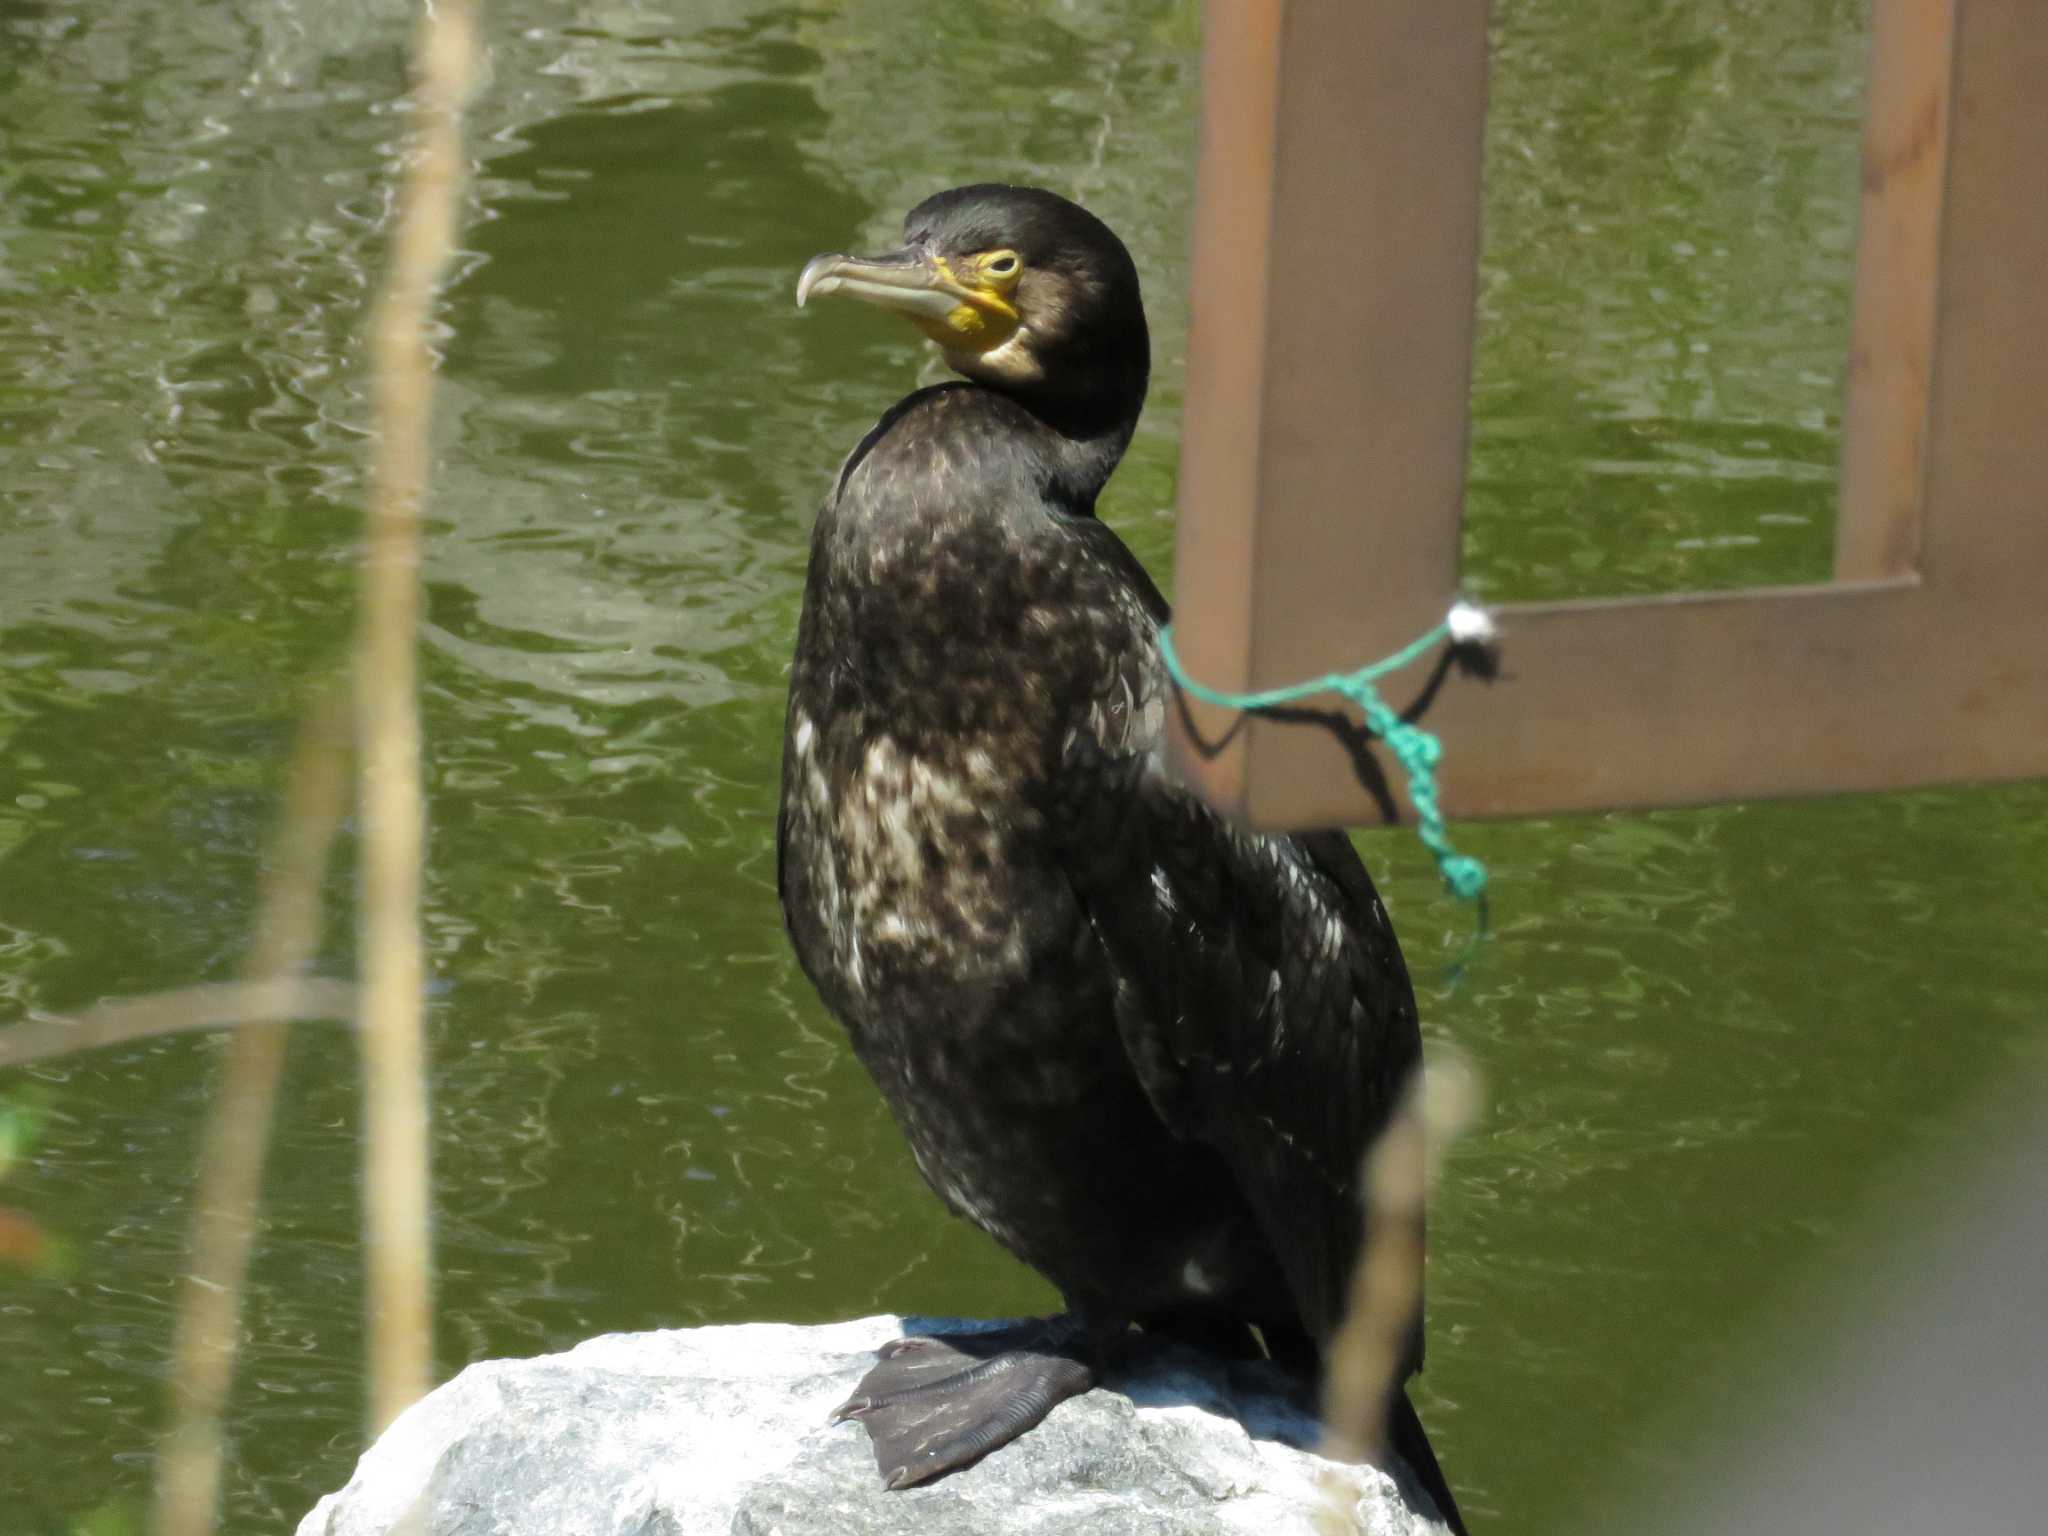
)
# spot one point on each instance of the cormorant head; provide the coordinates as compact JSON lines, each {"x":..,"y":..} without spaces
{"x":1024,"y":292}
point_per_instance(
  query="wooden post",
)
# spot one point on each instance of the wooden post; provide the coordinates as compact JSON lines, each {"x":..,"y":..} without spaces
{"x":1926,"y":661}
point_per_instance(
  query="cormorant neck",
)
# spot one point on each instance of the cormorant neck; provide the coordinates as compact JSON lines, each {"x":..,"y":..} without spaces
{"x":1083,"y":373}
{"x":1089,"y":427}
{"x":1087,"y":455}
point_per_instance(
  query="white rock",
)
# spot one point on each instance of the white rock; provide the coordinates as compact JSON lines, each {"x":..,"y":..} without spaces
{"x":724,"y":1430}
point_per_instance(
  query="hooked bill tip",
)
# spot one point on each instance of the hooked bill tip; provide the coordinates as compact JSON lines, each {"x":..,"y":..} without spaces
{"x":816,"y":278}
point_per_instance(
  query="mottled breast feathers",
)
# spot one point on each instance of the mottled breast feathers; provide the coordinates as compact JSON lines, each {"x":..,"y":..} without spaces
{"x":1259,"y":996}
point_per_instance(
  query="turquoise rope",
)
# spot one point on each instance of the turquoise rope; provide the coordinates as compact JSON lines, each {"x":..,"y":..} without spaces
{"x":1416,"y":750}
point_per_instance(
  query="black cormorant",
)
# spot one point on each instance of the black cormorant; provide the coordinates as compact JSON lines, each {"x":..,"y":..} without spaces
{"x":1143,"y":1049}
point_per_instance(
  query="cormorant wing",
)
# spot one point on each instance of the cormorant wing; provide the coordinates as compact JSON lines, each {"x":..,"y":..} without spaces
{"x":1262,"y":997}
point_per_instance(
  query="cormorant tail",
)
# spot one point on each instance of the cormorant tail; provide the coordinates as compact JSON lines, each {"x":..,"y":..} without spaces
{"x":1407,"y":1439}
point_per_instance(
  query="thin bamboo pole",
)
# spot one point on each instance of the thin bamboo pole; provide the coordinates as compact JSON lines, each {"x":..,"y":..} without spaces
{"x":238,"y":1131}
{"x":387,"y":714}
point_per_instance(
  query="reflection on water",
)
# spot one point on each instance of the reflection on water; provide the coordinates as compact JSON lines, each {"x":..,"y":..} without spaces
{"x":1700,"y":1028}
{"x":1670,"y":216}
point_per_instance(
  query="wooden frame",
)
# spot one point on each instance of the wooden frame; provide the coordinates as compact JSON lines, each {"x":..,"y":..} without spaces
{"x":1925,"y":661}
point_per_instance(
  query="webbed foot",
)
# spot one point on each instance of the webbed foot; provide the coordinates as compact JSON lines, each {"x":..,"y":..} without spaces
{"x":936,"y":1402}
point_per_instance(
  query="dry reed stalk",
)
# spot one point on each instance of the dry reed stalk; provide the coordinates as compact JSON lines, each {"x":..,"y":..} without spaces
{"x":214,"y":1005}
{"x":1366,"y":1357}
{"x":238,"y":1130}
{"x":388,"y":729}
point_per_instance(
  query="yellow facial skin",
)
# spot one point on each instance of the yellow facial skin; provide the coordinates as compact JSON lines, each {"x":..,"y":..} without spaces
{"x":984,"y":318}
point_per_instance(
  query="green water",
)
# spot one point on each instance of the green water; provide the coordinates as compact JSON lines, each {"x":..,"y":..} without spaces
{"x":1707,"y":1034}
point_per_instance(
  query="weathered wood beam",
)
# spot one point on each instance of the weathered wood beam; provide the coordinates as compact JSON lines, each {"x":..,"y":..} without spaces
{"x":1355,"y":131}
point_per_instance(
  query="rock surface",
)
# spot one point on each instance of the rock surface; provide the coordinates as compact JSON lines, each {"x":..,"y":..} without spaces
{"x":724,"y":1430}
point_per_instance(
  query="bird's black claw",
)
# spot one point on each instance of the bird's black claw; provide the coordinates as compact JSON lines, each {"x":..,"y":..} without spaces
{"x":852,"y":1408}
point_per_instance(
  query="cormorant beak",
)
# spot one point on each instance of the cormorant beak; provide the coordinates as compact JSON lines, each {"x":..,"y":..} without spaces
{"x":968,"y":320}
{"x":908,"y":280}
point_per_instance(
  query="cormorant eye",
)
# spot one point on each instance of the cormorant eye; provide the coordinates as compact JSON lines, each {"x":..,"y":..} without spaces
{"x":1001,"y":264}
